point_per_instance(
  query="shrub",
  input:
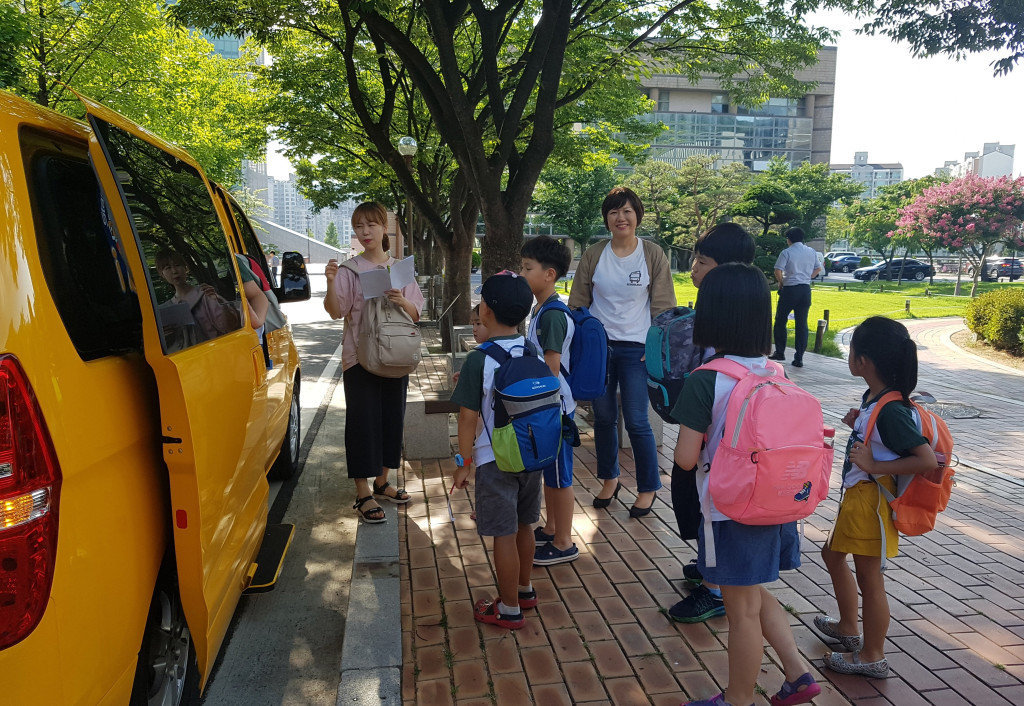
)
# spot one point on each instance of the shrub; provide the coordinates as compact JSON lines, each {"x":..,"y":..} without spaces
{"x":865,"y":261}
{"x":826,"y":265}
{"x":998,"y":317}
{"x":767,"y":252}
{"x":476,"y":260}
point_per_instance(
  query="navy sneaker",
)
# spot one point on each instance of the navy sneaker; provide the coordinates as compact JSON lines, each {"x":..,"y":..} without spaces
{"x":549,"y":554}
{"x":699,"y":606}
{"x":692,"y":574}
{"x":540,"y":538}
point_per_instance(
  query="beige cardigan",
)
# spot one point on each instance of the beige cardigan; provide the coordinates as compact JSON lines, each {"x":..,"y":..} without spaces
{"x":662,"y":289}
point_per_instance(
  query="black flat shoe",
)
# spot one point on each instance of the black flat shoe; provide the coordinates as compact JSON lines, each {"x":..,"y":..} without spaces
{"x":601,"y":503}
{"x":797,"y":364}
{"x":638,"y":512}
{"x":776,"y":356}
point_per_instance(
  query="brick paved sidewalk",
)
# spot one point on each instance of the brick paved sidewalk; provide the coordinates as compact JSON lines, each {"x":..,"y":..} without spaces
{"x":600,"y":636}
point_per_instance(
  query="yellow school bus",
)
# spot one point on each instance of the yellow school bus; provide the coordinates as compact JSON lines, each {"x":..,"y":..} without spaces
{"x":140,"y":412}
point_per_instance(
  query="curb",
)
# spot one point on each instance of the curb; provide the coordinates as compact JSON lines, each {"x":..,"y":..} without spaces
{"x":371,"y":655}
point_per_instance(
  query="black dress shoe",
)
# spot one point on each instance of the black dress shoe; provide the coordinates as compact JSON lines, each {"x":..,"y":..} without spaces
{"x":797,"y":364}
{"x":638,"y":512}
{"x":601,"y":503}
{"x":776,"y":356}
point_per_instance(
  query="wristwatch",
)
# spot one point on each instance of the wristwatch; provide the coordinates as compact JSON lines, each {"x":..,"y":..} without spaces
{"x":461,"y":462}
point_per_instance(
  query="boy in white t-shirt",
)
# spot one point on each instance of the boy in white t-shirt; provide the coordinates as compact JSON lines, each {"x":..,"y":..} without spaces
{"x":544,"y":262}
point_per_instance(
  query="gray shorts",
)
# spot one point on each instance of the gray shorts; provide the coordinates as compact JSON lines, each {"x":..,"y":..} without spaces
{"x":506,"y":500}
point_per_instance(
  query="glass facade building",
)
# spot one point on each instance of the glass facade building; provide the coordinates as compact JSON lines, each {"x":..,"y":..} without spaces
{"x":752,"y":140}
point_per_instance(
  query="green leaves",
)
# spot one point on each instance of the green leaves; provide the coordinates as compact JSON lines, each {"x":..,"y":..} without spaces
{"x":571,"y":197}
{"x":126,"y":54}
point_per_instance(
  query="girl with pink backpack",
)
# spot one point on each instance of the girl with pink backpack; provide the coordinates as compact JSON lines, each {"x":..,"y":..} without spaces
{"x":734,"y":315}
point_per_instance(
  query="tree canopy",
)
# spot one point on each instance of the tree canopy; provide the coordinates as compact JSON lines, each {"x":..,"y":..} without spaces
{"x":814,"y":191}
{"x":969,"y":214}
{"x":495,"y":75}
{"x":953,"y":27}
{"x":706,"y":196}
{"x":570,"y":198}
{"x":127,"y":55}
{"x":768,"y":204}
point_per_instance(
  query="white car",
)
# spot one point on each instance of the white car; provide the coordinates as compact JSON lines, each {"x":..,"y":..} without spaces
{"x":831,"y":256}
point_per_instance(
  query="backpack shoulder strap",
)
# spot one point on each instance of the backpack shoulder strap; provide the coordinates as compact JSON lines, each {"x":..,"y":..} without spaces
{"x":555,"y":305}
{"x":350,"y":264}
{"x":882,"y":401}
{"x":495,"y":352}
{"x":733,"y":369}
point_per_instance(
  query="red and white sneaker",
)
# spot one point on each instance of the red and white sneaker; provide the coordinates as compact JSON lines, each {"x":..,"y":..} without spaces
{"x":486,"y":611}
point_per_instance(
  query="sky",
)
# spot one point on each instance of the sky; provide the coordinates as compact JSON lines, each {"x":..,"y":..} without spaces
{"x":919,"y":112}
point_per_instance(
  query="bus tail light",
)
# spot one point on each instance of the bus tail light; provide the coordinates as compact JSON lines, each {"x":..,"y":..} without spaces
{"x":29,"y":492}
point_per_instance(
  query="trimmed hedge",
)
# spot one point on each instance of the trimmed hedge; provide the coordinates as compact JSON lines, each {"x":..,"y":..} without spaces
{"x":998,"y":317}
{"x":865,"y":261}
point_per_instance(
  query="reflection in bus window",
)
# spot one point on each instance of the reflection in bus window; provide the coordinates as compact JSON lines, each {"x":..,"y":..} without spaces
{"x":195,"y":313}
{"x":190,"y":271}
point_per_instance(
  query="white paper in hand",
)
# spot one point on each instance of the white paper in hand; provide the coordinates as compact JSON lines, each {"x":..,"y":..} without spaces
{"x":380,"y":279}
{"x":374,"y":282}
{"x":402,"y":273}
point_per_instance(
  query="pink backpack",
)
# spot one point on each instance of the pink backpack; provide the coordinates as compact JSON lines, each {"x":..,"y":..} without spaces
{"x":775,"y":457}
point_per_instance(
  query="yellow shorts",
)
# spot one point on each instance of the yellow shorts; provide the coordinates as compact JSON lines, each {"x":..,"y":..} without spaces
{"x":857,"y":530}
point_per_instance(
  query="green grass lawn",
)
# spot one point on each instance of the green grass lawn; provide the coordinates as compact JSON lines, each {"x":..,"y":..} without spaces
{"x":848,"y":307}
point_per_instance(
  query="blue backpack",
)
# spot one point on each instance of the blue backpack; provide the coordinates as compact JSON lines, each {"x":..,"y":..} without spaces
{"x":588,"y":352}
{"x":527,"y":431}
{"x":670,"y":356}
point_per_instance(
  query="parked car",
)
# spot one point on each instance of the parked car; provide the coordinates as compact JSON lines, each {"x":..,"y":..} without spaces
{"x":836,"y":254}
{"x":996,"y":267}
{"x":143,"y":413}
{"x":912,"y":269}
{"x":846,"y":263}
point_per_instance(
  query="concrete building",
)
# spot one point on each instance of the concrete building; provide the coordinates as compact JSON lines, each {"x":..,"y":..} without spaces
{"x":994,"y":160}
{"x":873,"y":175}
{"x":293,"y":210}
{"x":702,"y":119}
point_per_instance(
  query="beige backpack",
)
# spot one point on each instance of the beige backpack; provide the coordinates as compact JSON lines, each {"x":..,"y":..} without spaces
{"x":389,"y":340}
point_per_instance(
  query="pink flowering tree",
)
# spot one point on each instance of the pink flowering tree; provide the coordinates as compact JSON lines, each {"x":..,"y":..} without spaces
{"x":967,"y":215}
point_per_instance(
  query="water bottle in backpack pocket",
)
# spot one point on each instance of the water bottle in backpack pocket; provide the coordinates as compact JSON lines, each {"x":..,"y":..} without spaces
{"x":526,"y":431}
{"x":670,"y":356}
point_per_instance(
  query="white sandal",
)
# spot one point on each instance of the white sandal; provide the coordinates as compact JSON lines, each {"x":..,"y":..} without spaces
{"x":829,"y":627}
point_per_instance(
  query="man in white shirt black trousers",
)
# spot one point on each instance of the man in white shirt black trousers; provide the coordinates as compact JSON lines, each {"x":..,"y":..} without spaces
{"x":796,"y":266}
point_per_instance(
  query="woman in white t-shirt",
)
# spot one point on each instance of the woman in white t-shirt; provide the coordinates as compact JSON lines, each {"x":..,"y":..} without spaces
{"x":625,"y":281}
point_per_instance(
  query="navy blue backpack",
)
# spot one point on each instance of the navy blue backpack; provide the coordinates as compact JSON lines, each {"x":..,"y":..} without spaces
{"x":527,"y":403}
{"x":588,"y":352}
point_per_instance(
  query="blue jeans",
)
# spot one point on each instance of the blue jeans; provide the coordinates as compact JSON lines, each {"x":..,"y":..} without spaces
{"x":627,"y":373}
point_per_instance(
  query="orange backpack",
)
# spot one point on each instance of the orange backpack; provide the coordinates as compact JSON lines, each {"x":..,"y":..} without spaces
{"x":920,"y":498}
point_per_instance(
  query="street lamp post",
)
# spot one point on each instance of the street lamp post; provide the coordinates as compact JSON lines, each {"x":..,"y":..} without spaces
{"x":407,"y":148}
{"x":309,"y":244}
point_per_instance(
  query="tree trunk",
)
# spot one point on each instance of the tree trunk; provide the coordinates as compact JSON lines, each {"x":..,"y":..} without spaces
{"x":458,"y":259}
{"x":501,"y":244}
{"x":978,"y":268}
{"x":959,"y":274}
{"x":903,"y":264}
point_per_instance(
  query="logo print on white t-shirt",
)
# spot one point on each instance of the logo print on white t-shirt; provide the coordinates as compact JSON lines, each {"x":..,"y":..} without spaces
{"x":634,"y":278}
